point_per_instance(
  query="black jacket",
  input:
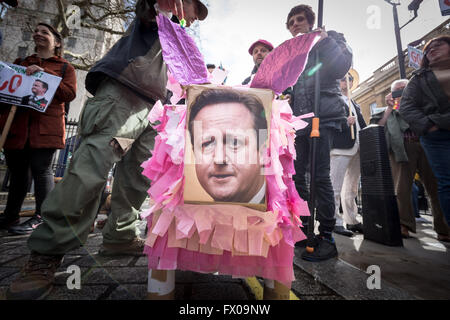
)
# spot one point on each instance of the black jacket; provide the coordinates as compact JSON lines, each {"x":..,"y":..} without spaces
{"x":343,"y":140}
{"x":136,"y":59}
{"x":247,"y":80}
{"x":336,"y":58}
{"x":424,"y":103}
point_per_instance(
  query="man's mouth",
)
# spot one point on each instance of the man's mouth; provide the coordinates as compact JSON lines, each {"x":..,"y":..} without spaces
{"x":221,"y":177}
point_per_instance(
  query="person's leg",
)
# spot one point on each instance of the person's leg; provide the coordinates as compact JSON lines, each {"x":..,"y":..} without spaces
{"x":40,"y":163}
{"x":18,"y":166}
{"x":437,"y":148}
{"x":430,"y":184}
{"x":403,"y":175}
{"x":129,"y":191}
{"x":41,"y":168}
{"x":339,"y":164}
{"x":325,"y":246}
{"x":324,"y":190}
{"x":70,"y":209}
{"x":350,"y":191}
{"x":301,"y":164}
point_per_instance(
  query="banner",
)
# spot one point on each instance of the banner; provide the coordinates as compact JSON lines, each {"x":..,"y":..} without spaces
{"x":35,"y":91}
{"x":445,"y":7}
{"x":415,"y":57}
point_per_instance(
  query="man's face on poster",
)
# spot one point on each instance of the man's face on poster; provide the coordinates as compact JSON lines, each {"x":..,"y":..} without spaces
{"x":38,"y":88}
{"x":227,"y":156}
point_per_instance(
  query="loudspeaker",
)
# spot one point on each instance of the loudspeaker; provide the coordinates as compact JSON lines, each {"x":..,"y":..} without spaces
{"x":379,"y":203}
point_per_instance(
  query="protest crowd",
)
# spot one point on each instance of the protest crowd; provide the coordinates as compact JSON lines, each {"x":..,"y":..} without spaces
{"x":117,"y":131}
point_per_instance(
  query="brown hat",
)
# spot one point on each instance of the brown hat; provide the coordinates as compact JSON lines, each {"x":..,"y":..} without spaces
{"x":202,"y":10}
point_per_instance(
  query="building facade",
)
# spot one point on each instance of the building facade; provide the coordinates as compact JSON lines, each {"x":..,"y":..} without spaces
{"x":370,"y":93}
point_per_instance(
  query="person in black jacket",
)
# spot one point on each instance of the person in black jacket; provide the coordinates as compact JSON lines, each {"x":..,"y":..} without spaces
{"x":335,"y":60}
{"x":345,"y":168}
{"x":426,"y":107}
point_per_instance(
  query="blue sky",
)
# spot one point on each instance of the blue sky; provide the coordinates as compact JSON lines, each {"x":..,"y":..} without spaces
{"x":232,"y":25}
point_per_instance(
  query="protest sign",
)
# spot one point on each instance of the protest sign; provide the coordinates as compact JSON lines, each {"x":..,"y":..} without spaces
{"x":415,"y":57}
{"x":445,"y":7}
{"x":35,"y":91}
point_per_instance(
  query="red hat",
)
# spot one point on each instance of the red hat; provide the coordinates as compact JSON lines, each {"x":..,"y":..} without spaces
{"x":263,"y":42}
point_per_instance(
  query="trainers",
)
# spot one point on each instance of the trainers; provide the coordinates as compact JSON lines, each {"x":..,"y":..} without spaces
{"x":355,"y":227}
{"x":342,"y":231}
{"x":133,"y":248}
{"x":324,"y":250}
{"x":7,"y":221}
{"x":35,"y":280}
{"x":27,"y":226}
{"x":422,"y":220}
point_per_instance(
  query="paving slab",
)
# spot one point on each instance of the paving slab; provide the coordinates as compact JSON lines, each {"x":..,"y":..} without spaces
{"x":349,"y":281}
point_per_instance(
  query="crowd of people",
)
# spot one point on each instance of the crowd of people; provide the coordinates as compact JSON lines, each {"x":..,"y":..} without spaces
{"x":115,"y":130}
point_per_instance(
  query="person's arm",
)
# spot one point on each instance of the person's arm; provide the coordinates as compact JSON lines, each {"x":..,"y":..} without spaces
{"x":67,"y":88}
{"x":411,"y":108}
{"x":335,"y":55}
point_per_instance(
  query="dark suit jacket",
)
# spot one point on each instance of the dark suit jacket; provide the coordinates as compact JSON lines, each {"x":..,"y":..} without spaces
{"x":343,"y":140}
{"x":41,"y":103}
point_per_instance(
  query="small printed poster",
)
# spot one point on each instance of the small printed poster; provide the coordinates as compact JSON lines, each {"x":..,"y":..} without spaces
{"x":35,"y":91}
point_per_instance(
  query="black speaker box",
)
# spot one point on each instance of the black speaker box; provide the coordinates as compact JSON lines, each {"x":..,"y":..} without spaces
{"x":379,"y":203}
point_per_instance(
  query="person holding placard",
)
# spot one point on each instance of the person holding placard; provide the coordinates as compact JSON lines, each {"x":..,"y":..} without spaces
{"x":34,"y":136}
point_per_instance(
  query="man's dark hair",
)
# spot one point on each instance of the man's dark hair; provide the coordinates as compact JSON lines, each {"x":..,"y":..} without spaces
{"x":210,"y":66}
{"x":58,"y":51}
{"x":425,"y":62}
{"x":309,"y":14}
{"x":216,"y":96}
{"x":44,"y":84}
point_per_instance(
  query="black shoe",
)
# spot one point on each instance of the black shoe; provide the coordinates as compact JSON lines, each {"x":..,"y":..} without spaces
{"x":342,"y":231}
{"x":6,"y":221}
{"x":12,"y":3}
{"x":325,"y":249}
{"x":27,"y":226}
{"x":355,"y":227}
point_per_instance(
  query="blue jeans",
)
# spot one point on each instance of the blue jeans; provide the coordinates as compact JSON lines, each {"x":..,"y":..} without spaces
{"x":437,"y":148}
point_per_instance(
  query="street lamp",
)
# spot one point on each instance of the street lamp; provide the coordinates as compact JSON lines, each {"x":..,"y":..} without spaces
{"x":413,"y":6}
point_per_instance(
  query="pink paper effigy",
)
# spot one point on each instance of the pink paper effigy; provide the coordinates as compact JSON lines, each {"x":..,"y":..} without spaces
{"x":228,"y":239}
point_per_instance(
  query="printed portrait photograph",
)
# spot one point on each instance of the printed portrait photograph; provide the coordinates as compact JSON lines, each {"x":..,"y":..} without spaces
{"x":226,"y":140}
{"x":37,"y":98}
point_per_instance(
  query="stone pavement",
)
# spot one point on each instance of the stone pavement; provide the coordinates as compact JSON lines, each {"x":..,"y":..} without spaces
{"x":419,"y":270}
{"x":125,"y":277}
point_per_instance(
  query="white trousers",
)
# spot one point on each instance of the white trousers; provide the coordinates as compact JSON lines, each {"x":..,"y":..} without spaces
{"x":345,"y":173}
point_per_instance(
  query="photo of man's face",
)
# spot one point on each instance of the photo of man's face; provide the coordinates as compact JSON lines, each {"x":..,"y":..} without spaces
{"x":228,"y":133}
{"x":38,"y":88}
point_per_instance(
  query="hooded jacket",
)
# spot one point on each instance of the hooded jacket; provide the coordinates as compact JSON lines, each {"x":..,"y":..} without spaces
{"x":42,"y":130}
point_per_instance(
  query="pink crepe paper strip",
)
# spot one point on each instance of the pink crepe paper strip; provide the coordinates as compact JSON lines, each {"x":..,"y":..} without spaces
{"x":180,"y":53}
{"x":228,"y":239}
{"x":281,"y":68}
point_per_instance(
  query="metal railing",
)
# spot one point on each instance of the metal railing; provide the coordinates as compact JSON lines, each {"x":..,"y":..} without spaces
{"x":62,"y":157}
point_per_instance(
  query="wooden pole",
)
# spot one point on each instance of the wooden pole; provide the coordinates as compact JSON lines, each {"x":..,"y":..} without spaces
{"x":349,"y":96}
{"x":8,"y":123}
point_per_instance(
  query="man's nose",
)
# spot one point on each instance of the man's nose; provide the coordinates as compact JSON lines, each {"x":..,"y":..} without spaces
{"x":220,"y":154}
